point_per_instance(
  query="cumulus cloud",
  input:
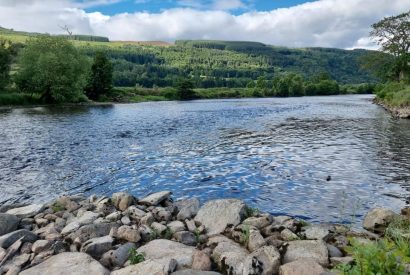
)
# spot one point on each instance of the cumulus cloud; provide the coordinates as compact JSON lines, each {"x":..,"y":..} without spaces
{"x":324,"y":23}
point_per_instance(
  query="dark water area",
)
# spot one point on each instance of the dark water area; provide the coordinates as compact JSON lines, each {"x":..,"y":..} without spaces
{"x":276,"y":154}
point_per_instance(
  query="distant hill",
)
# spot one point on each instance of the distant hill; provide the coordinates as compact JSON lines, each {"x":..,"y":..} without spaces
{"x":213,"y":63}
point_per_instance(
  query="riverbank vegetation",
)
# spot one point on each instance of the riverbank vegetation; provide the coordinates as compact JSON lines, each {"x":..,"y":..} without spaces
{"x":393,"y":36}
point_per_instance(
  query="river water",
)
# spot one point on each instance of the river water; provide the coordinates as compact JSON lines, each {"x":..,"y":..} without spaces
{"x":276,"y":154}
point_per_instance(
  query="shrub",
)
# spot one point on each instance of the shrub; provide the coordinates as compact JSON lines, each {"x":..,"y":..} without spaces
{"x":135,"y":257}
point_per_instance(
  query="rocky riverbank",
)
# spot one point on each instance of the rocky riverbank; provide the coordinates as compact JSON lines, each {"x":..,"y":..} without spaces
{"x":155,"y":235}
{"x":396,"y":112}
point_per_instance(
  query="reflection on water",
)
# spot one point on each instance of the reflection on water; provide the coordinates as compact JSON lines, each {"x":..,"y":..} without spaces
{"x":276,"y":154}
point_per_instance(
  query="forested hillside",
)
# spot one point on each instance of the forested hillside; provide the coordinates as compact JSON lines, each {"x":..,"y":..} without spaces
{"x":214,"y":63}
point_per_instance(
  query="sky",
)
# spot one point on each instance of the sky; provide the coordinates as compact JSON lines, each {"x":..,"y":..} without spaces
{"x":291,"y":23}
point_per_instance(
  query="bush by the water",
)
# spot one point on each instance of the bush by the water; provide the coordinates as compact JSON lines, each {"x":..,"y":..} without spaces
{"x":19,"y":99}
{"x":394,"y":94}
{"x":54,"y":69}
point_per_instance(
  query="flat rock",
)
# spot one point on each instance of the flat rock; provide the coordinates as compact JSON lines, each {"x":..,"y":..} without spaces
{"x":156,"y":198}
{"x":68,"y":263}
{"x":215,"y":215}
{"x":98,"y":246}
{"x":376,"y":220}
{"x":158,"y":249}
{"x":149,"y":267}
{"x":307,"y":249}
{"x":318,"y":231}
{"x":8,"y":223}
{"x":302,"y":267}
{"x":258,"y":222}
{"x":40,"y":246}
{"x":10,"y":238}
{"x":91,"y":231}
{"x":26,"y":211}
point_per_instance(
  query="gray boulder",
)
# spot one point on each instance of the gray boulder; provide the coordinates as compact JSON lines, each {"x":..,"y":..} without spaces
{"x":10,"y":238}
{"x":315,"y":250}
{"x":161,"y":248}
{"x":156,"y":198}
{"x":26,"y":211}
{"x":98,"y":246}
{"x":119,"y":256}
{"x":187,"y":208}
{"x":194,"y":272}
{"x":258,"y":222}
{"x":216,"y":215}
{"x":185,"y":237}
{"x":128,"y":233}
{"x":176,"y":226}
{"x":68,"y":263}
{"x":122,"y":200}
{"x":378,"y":219}
{"x":228,"y":255}
{"x":8,"y":223}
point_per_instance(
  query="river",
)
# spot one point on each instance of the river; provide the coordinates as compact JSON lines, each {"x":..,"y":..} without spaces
{"x":326,"y":159}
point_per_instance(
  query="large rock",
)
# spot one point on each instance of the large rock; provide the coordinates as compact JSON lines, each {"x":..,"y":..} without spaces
{"x":255,"y":240}
{"x":128,"y":233}
{"x":119,"y":256}
{"x":122,"y":200}
{"x":156,"y":198}
{"x":315,"y":250}
{"x":151,"y":267}
{"x":302,"y":267}
{"x":215,"y":215}
{"x":201,"y":261}
{"x":12,"y":237}
{"x":87,"y":217}
{"x":26,"y":211}
{"x":91,"y":231}
{"x":158,"y":249}
{"x":264,"y":261}
{"x":228,"y":255}
{"x":98,"y":246}
{"x":187,"y":208}
{"x":185,"y":237}
{"x":176,"y":226}
{"x":68,"y":264}
{"x":8,"y":223}
{"x":378,"y":219}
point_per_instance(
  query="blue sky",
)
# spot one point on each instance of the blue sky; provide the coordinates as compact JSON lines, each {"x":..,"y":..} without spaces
{"x":155,"y":6}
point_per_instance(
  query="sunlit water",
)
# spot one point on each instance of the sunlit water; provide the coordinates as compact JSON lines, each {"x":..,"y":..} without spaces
{"x":276,"y":154}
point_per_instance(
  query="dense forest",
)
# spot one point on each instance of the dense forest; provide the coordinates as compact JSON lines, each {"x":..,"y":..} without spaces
{"x":226,"y":64}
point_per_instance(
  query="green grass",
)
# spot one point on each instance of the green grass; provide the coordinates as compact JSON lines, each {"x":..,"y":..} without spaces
{"x":394,"y":94}
{"x":17,"y":99}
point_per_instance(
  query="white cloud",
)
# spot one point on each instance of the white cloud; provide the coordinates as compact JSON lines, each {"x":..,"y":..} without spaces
{"x":325,"y":23}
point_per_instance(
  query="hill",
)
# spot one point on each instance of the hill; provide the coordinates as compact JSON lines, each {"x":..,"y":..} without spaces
{"x":213,"y":63}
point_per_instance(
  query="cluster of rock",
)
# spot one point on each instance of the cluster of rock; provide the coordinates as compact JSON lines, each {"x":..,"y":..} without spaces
{"x":77,"y":235}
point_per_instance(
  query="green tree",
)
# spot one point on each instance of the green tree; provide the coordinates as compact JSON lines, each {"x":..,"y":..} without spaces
{"x":393,"y":35}
{"x":54,"y":68}
{"x":100,"y":79}
{"x":5,"y":61}
{"x":185,"y":89}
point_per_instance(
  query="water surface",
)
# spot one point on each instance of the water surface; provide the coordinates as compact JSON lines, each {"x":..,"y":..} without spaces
{"x":276,"y":154}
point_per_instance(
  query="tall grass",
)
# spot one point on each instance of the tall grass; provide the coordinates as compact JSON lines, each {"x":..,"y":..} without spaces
{"x":15,"y":99}
{"x":395,"y":94}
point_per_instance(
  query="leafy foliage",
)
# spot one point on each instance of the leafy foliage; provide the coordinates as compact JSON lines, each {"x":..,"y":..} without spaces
{"x":373,"y":258}
{"x":5,"y":62}
{"x":135,"y":257}
{"x":185,"y":89}
{"x":393,"y":35}
{"x":100,"y":79}
{"x":54,"y":68}
{"x":394,"y":94}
